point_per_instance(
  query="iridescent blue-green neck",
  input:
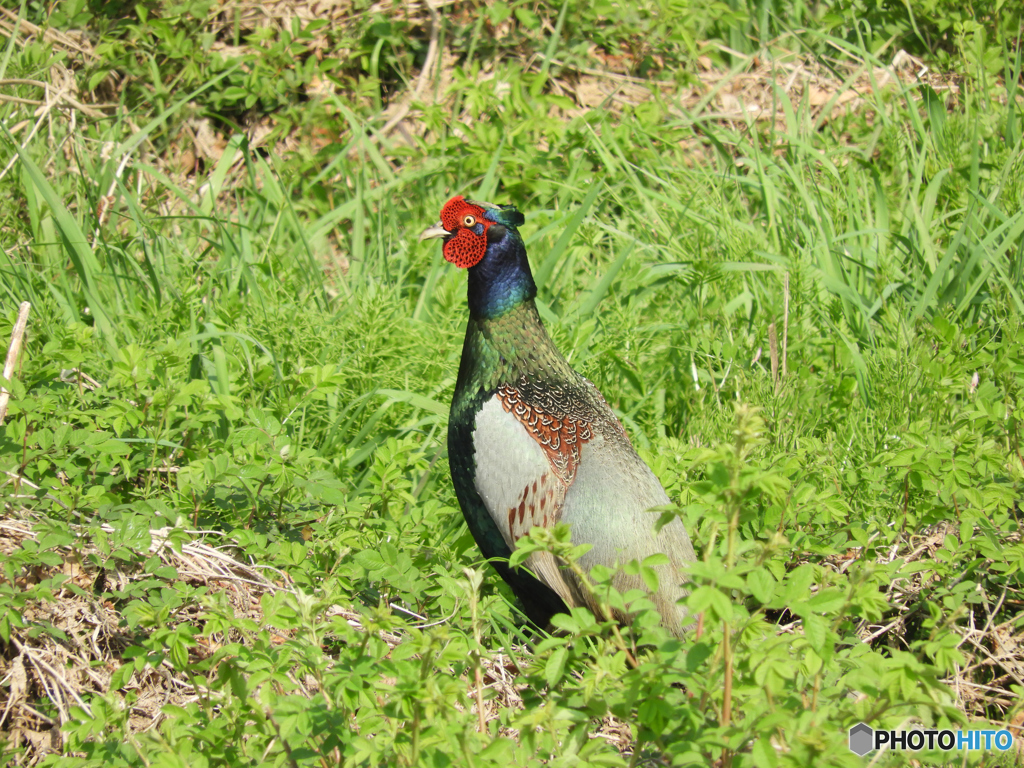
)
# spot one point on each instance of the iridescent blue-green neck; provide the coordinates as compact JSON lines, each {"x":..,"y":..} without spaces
{"x":502,"y":279}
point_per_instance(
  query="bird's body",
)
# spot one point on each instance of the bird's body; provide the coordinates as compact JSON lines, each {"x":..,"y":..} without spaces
{"x":531,"y":442}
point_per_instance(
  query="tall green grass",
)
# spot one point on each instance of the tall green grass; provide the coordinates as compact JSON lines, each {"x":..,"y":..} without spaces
{"x":266,"y":350}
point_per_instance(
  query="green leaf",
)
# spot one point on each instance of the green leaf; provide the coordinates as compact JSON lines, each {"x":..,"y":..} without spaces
{"x":113,"y":447}
{"x":797,"y":586}
{"x":764,"y":754}
{"x":527,"y":18}
{"x":121,"y":676}
{"x":761,"y":585}
{"x":827,"y":601}
{"x":707,"y":597}
{"x":816,"y":630}
{"x":55,"y":539}
{"x":370,"y":560}
{"x":650,"y":577}
{"x":565,"y":622}
{"x":554,"y":667}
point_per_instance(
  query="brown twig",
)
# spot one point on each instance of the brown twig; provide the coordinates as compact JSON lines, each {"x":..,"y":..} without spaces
{"x":49,"y":35}
{"x":785,"y":319}
{"x":70,"y":101}
{"x":611,"y":75}
{"x":13,"y":353}
{"x":424,"y":78}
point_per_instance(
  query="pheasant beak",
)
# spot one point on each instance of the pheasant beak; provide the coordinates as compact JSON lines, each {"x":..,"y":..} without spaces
{"x":434,"y":232}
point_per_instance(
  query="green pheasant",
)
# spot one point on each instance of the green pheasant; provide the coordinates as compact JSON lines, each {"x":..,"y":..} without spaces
{"x":531,"y":442}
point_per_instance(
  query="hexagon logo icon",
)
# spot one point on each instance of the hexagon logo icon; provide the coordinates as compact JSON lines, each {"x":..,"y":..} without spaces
{"x":862,"y":739}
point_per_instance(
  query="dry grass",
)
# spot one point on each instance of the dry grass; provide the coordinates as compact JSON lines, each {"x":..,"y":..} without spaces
{"x":750,"y":93}
{"x":66,"y":673}
{"x":994,"y":651}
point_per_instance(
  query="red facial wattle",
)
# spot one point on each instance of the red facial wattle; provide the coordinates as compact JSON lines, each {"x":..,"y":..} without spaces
{"x":465,"y":248}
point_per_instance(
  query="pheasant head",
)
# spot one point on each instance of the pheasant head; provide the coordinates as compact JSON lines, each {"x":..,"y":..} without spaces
{"x":484,"y":239}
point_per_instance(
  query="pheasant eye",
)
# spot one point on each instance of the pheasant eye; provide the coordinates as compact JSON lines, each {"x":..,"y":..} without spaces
{"x":468,"y":220}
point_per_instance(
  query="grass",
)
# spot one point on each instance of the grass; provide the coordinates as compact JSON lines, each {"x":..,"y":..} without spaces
{"x":230,"y":536}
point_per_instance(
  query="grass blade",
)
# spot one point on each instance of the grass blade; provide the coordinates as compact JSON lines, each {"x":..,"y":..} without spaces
{"x":75,"y":242}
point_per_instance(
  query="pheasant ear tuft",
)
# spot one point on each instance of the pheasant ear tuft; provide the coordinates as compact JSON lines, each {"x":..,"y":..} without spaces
{"x":510,"y":217}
